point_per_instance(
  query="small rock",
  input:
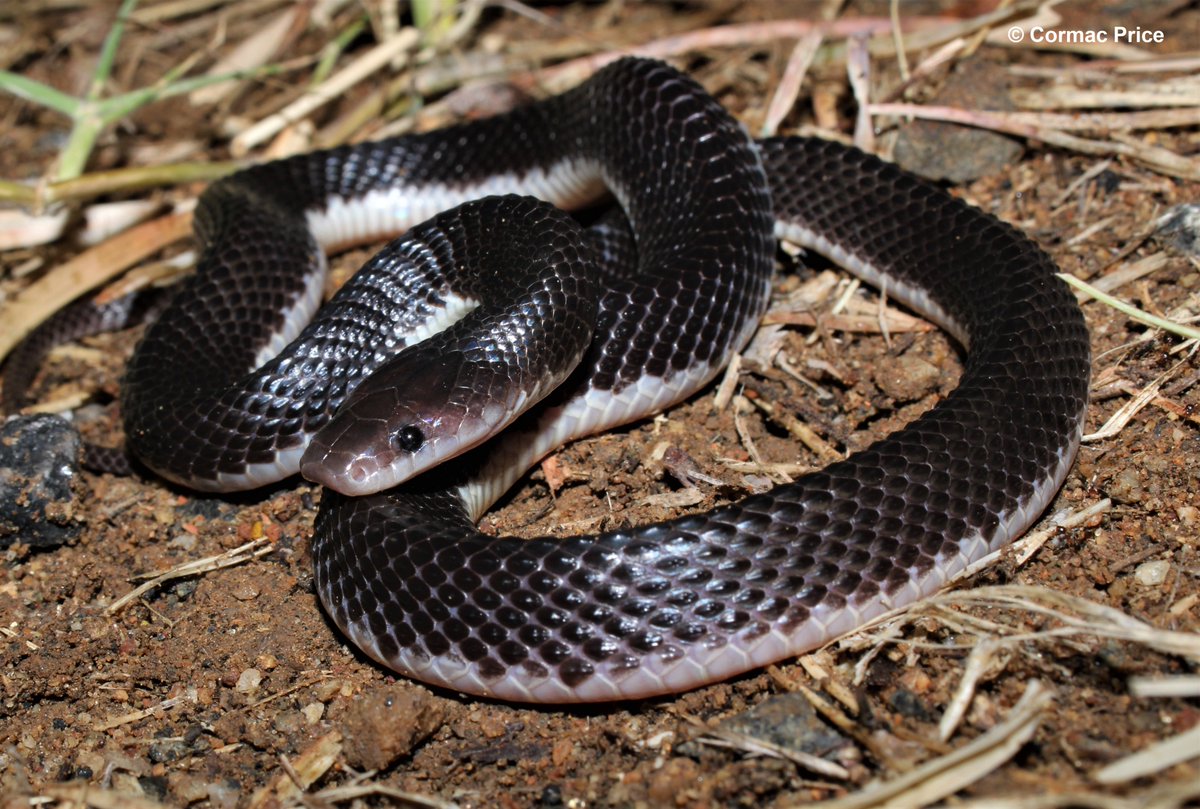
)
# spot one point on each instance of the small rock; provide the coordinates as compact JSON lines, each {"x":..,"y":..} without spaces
{"x":313,"y":712}
{"x":288,"y":722}
{"x":168,"y":750}
{"x":39,"y":481}
{"x":906,"y":703}
{"x":551,"y":797}
{"x":954,"y":152}
{"x":223,"y":795}
{"x":668,"y":785}
{"x":153,"y":786}
{"x":182,"y":541}
{"x":187,"y":788}
{"x":790,"y":721}
{"x":387,"y":723}
{"x":248,"y":681}
{"x":1180,"y":228}
{"x":1152,"y":574}
{"x":244,"y":591}
{"x":908,"y":378}
{"x":1127,"y":487}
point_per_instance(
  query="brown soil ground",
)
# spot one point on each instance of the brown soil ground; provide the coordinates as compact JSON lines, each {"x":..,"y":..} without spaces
{"x":211,"y":688}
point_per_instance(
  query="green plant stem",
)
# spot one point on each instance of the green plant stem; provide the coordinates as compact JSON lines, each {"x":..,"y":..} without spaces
{"x":1153,"y":321}
{"x":88,"y":119}
{"x":108,"y":53}
{"x":90,"y":186}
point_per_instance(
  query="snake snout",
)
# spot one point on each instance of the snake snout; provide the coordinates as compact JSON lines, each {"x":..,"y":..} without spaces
{"x":351,"y":476}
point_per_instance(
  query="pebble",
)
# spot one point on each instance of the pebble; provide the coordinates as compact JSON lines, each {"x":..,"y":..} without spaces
{"x":187,"y":788}
{"x":947,"y":151}
{"x":908,"y":378}
{"x":387,"y":723}
{"x":39,"y":481}
{"x":1126,"y":487}
{"x":1180,"y":228}
{"x":789,"y":721}
{"x":1152,"y":574}
{"x":248,"y":681}
{"x":669,"y":785}
{"x":182,"y":541}
{"x":313,"y":712}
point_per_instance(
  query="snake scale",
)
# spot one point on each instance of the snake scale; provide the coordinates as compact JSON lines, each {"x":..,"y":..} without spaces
{"x":440,"y":340}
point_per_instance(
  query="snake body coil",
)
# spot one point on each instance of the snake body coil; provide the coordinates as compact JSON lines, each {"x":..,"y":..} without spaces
{"x":636,"y":612}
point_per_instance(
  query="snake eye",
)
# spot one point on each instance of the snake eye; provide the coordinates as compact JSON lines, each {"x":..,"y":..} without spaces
{"x":408,"y":438}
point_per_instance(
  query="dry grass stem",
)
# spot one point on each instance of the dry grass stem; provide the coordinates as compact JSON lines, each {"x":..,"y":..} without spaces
{"x":1075,"y":617}
{"x":785,"y":95}
{"x":255,"y":51}
{"x":1126,"y":273}
{"x":139,"y":715}
{"x":858,"y":72}
{"x":1154,"y":759}
{"x":97,"y":797}
{"x":1147,"y":394}
{"x":235,"y":556}
{"x":1024,"y":548}
{"x":893,"y":321}
{"x":729,"y":384}
{"x":921,"y":33}
{"x":360,"y":69}
{"x":87,"y":271}
{"x":800,"y":431}
{"x":945,"y":775}
{"x":354,"y":794}
{"x":1165,"y":796}
{"x":1050,"y":128}
{"x":1177,"y":92}
{"x":742,"y":405}
{"x":798,"y":63}
{"x":289,"y":784}
{"x":718,"y":737}
{"x":1186,"y":686}
{"x":980,"y":662}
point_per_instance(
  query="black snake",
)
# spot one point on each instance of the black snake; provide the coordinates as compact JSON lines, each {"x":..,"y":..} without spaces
{"x":646,"y":312}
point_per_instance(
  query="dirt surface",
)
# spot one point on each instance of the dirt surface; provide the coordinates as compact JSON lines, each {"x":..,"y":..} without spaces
{"x":229,"y":686}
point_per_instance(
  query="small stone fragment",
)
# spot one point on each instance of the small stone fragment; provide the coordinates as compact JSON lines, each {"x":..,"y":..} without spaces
{"x":1180,"y":228}
{"x":245,"y":591}
{"x":39,"y":481}
{"x":1127,"y":487}
{"x":1152,"y":574}
{"x":288,"y":722}
{"x":908,"y":378}
{"x":906,"y":703}
{"x":669,"y":785}
{"x":187,"y":788}
{"x":789,"y":721}
{"x":248,"y":681}
{"x":955,"y":152}
{"x":313,"y":712}
{"x":387,"y":723}
{"x":182,"y":541}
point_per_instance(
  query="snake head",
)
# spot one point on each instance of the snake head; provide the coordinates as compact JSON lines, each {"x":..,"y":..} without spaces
{"x":415,"y":412}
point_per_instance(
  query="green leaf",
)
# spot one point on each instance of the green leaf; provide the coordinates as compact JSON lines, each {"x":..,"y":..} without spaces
{"x":38,"y":93}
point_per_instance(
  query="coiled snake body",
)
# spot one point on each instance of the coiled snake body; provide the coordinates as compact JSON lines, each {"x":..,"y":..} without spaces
{"x":650,"y":312}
